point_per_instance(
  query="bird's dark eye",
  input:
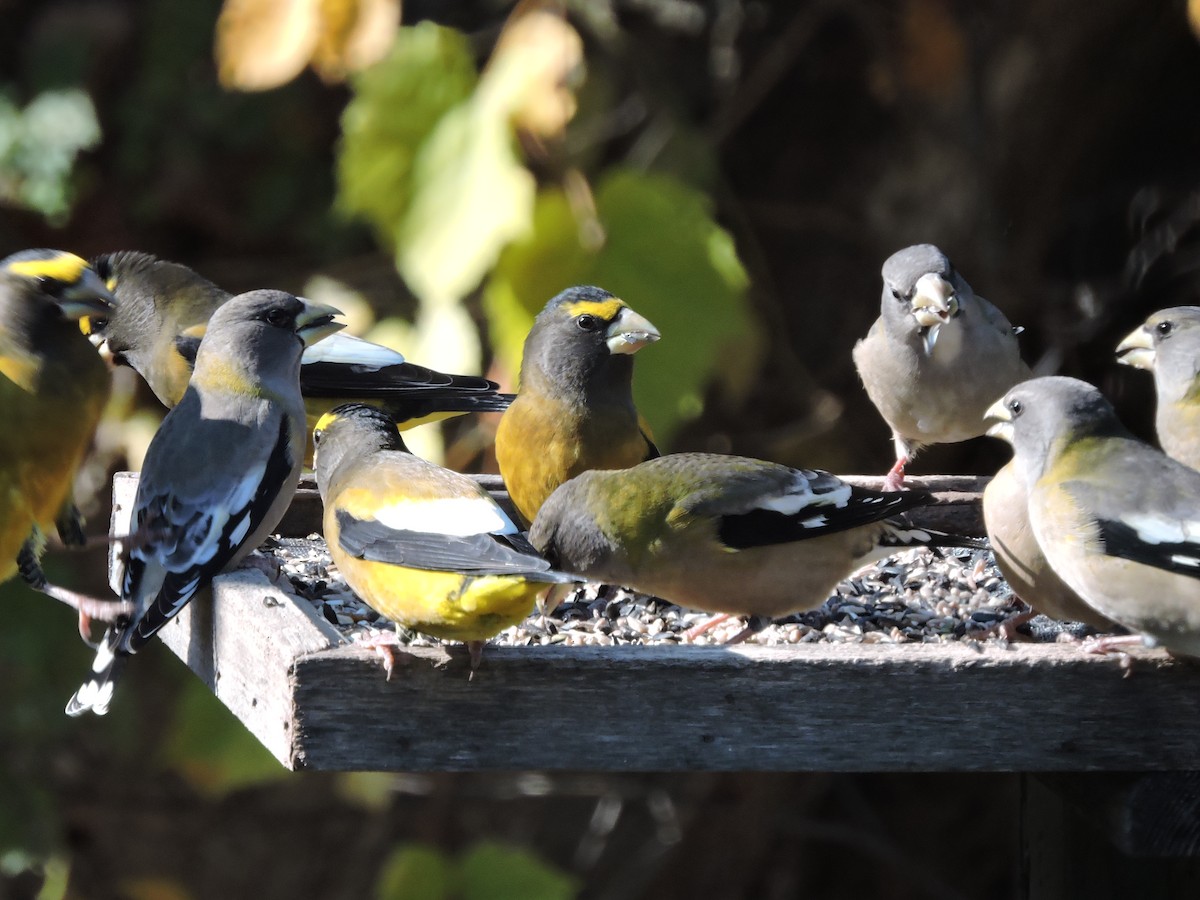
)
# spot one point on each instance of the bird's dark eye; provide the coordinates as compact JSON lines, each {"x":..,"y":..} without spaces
{"x":1164,"y":328}
{"x":317,"y":435}
{"x":896,"y":295}
{"x":1016,"y":407}
{"x":588,"y":322}
{"x":278,"y":317}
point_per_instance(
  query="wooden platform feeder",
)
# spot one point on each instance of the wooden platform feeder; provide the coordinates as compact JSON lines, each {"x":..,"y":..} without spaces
{"x":318,"y":701}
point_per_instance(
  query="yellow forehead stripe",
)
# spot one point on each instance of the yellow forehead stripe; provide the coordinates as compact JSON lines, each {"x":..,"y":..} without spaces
{"x":325,"y":421}
{"x":111,"y":284}
{"x":602,"y":309}
{"x":65,"y":267}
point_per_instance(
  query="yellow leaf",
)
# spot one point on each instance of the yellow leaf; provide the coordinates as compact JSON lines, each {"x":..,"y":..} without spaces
{"x":530,"y":77}
{"x":1193,"y":14}
{"x":262,"y":44}
{"x":354,"y":34}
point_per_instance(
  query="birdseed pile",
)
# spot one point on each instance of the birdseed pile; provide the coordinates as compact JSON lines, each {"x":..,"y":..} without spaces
{"x":913,"y":596}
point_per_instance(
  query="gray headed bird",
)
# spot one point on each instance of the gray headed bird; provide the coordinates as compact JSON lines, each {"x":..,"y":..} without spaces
{"x":937,"y":356}
{"x":1117,"y":519}
{"x":1168,"y":345}
{"x":219,"y":473}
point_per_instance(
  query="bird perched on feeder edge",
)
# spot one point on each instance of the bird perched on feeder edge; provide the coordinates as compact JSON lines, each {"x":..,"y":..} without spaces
{"x":937,"y":356}
{"x":219,"y":473}
{"x":725,"y":534}
{"x":426,"y":547}
{"x":575,"y":408}
{"x":1117,"y":519}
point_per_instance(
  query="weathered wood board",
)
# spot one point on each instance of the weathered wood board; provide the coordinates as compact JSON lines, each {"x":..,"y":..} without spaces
{"x":318,"y":702}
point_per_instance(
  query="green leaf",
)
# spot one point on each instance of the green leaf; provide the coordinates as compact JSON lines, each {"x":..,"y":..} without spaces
{"x":414,"y":873}
{"x":495,"y":872}
{"x":396,"y":106}
{"x":212,"y":748}
{"x":666,"y":257}
{"x":472,"y":197}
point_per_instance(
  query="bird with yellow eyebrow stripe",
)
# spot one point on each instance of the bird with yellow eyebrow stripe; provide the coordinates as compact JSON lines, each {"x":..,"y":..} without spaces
{"x":575,"y":408}
{"x":162,"y":309}
{"x":219,"y":474}
{"x":424,"y":546}
{"x":53,"y":388}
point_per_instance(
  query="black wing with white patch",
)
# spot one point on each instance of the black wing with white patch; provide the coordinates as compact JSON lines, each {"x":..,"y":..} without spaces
{"x":1163,"y":545}
{"x":764,"y":526}
{"x":476,"y":554}
{"x":183,"y":537}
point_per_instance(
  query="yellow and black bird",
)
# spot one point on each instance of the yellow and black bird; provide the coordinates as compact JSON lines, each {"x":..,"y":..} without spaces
{"x":426,"y":547}
{"x":162,"y":309}
{"x":219,"y":473}
{"x":53,"y":389}
{"x":575,"y":408}
{"x":725,"y":534}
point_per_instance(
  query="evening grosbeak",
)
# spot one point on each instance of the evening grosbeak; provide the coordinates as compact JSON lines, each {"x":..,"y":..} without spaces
{"x":1020,"y":559}
{"x":162,"y":309}
{"x":1117,"y":519}
{"x":937,"y":356}
{"x":725,"y":534}
{"x":53,"y":389}
{"x":424,"y":546}
{"x":1168,"y":345}
{"x":575,"y":410}
{"x":219,"y":473}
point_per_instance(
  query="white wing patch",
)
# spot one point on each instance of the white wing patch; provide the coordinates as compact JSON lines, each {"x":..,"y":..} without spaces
{"x":459,"y":516}
{"x":801,"y":495}
{"x":1158,"y":530}
{"x":342,"y":348}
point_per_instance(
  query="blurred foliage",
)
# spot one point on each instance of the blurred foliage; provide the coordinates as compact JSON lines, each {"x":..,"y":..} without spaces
{"x":659,"y":249}
{"x":430,"y":156}
{"x":263,"y":44}
{"x":38,"y":148}
{"x":487,"y":871}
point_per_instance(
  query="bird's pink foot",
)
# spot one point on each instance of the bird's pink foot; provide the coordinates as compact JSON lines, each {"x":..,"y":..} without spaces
{"x":704,"y":627}
{"x":894,"y":480}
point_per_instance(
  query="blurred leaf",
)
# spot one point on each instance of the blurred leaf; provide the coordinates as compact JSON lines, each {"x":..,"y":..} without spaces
{"x":369,"y":790}
{"x":38,"y":148}
{"x":537,"y":62}
{"x":211,"y":748}
{"x":1193,"y":14}
{"x":354,"y":34}
{"x":472,"y":196}
{"x":663,"y":253}
{"x":414,"y":873}
{"x":397,"y":104}
{"x":262,"y":44}
{"x":494,"y":872}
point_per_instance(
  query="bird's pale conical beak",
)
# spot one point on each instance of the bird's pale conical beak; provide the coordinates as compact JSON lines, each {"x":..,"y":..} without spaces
{"x":630,"y":332}
{"x":1003,"y":428}
{"x":1137,"y":349}
{"x":316,"y":322}
{"x":934,"y":303}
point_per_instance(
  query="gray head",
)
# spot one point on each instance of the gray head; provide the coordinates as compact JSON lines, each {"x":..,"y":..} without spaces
{"x":1039,"y":416}
{"x":1167,"y":344}
{"x":922,"y":291}
{"x":565,"y":530}
{"x":264,"y":332}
